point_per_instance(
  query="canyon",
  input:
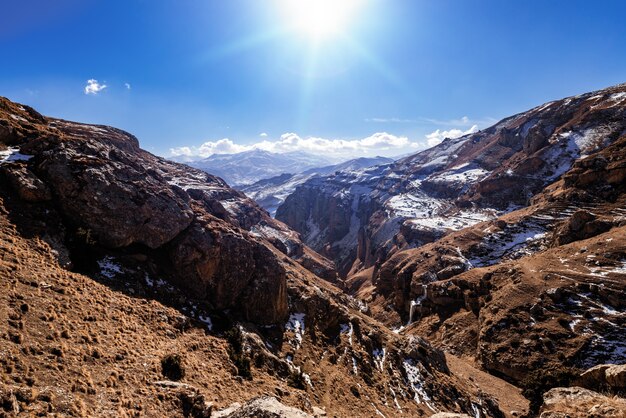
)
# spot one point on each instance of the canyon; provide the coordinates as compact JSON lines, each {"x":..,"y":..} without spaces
{"x":482,"y":277}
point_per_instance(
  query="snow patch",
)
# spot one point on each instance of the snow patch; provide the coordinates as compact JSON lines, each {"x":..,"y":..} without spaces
{"x":379,"y":358}
{"x":206,"y":320}
{"x":295,"y":324}
{"x":109,"y":268}
{"x":347,"y":329}
{"x":416,"y":382}
{"x":13,"y":154}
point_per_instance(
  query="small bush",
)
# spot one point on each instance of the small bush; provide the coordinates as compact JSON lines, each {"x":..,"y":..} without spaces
{"x":172,"y":367}
{"x":296,"y":379}
{"x":237,"y":354}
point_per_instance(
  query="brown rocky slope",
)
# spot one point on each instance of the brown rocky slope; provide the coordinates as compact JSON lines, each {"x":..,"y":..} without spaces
{"x":133,"y":286}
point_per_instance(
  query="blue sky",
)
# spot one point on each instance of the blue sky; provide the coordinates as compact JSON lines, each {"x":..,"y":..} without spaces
{"x":223,"y":72}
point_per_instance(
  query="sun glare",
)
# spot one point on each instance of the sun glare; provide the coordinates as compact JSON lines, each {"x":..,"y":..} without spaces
{"x":319,"y":19}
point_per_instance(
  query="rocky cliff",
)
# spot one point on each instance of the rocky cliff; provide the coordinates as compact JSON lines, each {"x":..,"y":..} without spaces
{"x":271,"y":192}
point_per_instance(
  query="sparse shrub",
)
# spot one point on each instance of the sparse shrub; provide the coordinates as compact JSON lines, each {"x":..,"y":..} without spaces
{"x":172,"y":367}
{"x":296,"y":379}
{"x":237,"y":354}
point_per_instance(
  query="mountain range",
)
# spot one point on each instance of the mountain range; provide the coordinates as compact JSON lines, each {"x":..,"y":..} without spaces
{"x":483,"y":277}
{"x":271,"y":192}
{"x":244,"y":168}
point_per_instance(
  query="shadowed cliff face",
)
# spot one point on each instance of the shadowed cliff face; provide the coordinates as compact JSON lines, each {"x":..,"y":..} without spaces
{"x":359,"y":218}
{"x":213,"y":237}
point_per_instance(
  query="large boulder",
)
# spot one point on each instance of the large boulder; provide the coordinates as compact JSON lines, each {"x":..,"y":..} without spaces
{"x":616,"y":377}
{"x":104,"y":185}
{"x":605,"y":378}
{"x":579,"y":402}
{"x":262,"y":407}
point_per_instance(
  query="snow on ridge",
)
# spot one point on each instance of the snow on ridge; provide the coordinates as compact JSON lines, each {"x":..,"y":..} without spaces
{"x":513,"y":241}
{"x":470,"y":175}
{"x":456,"y":222}
{"x":13,"y":154}
{"x":268,"y":232}
{"x":231,"y":206}
{"x":618,"y":97}
{"x":18,"y":118}
{"x":414,"y":205}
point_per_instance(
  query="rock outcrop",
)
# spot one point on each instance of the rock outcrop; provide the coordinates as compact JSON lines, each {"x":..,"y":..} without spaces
{"x":262,"y":407}
{"x":230,"y":269}
{"x":116,"y":196}
{"x":604,"y":378}
{"x":579,"y":402}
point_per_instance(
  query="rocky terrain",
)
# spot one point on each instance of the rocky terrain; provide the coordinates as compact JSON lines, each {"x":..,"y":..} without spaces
{"x":506,"y":247}
{"x":484,"y":277}
{"x":135,"y":286}
{"x":272,"y":192}
{"x":453,"y":185}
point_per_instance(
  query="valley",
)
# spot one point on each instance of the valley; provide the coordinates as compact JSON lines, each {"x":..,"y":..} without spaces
{"x":482,"y":277}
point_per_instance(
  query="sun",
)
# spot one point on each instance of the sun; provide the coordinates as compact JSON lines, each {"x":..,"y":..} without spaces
{"x":319,"y":19}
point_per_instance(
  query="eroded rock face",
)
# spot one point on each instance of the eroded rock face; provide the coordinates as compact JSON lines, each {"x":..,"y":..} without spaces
{"x":112,"y":192}
{"x":229,"y":269}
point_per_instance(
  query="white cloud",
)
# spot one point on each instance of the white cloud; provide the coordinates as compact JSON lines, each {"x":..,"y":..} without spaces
{"x":437,"y":136}
{"x":378,"y":143}
{"x":127,"y":85}
{"x":93,"y":87}
{"x":263,"y":135}
{"x":223,"y":146}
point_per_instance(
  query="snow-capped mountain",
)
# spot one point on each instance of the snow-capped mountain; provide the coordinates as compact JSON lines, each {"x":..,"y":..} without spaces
{"x":356,"y":217}
{"x":251,"y":166}
{"x":271,"y":192}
